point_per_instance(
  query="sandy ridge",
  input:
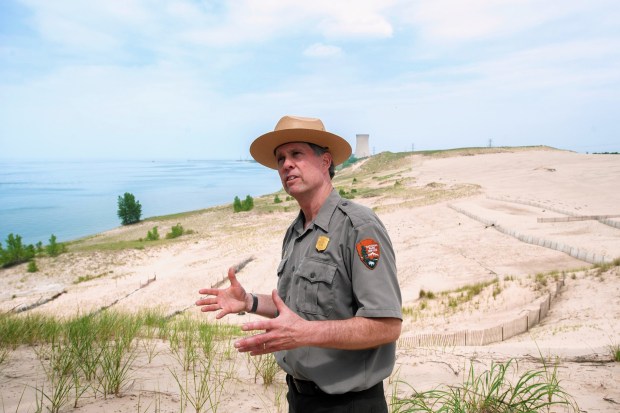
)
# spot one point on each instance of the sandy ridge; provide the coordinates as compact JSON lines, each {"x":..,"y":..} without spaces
{"x":438,"y":249}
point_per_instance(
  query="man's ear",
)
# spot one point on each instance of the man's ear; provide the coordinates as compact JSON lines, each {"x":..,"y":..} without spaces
{"x":327,"y":159}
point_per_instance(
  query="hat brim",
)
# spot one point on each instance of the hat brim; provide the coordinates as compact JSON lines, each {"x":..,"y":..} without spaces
{"x":263,"y":148}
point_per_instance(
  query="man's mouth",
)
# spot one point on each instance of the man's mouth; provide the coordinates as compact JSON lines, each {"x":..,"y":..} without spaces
{"x":290,"y":178}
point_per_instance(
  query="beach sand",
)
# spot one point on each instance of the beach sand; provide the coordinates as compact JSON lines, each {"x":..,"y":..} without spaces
{"x":455,"y":222}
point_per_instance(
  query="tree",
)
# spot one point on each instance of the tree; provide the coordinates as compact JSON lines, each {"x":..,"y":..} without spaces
{"x":246,"y":205}
{"x":54,"y":248}
{"x":237,"y":204}
{"x":129,"y":210}
{"x":15,"y":252}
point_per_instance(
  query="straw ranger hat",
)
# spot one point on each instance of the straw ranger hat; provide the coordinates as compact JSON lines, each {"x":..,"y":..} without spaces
{"x":298,"y":129}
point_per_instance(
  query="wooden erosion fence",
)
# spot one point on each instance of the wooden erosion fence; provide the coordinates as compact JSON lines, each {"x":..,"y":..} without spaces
{"x":527,"y":318}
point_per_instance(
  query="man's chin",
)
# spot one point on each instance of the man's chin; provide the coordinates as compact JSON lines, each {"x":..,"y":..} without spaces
{"x":292,"y":191}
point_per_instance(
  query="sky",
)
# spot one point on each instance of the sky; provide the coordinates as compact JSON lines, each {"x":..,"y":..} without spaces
{"x":182,"y":79}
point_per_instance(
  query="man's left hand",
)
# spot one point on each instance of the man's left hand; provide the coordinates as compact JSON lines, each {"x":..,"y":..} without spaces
{"x":284,"y":332}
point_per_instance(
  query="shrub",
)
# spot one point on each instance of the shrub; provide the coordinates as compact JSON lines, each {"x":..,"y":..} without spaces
{"x":246,"y":205}
{"x":175,"y":232}
{"x":343,"y":193}
{"x":352,"y":159}
{"x":54,"y":249}
{"x":152,"y":235}
{"x":15,"y":252}
{"x":277,"y":200}
{"x":32,"y":266}
{"x":129,"y":210}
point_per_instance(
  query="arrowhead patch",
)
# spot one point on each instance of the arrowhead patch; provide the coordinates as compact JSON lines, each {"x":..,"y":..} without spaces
{"x":369,"y":252}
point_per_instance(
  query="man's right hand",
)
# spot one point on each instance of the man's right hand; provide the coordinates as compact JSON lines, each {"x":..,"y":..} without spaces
{"x":233,"y":299}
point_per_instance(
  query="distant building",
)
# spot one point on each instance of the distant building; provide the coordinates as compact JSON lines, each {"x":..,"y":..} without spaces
{"x":362,"y":148}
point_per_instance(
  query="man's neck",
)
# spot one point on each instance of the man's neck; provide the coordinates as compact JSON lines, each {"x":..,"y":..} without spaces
{"x":311,"y":204}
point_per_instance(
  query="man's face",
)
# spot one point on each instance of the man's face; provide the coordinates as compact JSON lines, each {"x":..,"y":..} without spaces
{"x":300,"y":169}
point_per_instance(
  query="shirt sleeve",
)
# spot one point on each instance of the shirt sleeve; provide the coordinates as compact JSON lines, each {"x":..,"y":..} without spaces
{"x":373,"y":269}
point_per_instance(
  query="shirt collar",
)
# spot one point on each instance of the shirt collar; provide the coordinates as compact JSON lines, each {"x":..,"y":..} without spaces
{"x":324,"y":215}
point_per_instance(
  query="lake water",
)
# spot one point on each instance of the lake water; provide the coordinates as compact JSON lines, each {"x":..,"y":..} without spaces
{"x":72,"y":199}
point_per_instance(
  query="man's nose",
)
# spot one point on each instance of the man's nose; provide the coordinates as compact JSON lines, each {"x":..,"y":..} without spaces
{"x":287,"y":163}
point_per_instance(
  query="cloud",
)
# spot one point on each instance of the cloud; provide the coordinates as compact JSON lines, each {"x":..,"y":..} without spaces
{"x":87,"y":26}
{"x":456,"y":21}
{"x":321,"y":50}
{"x":355,"y":19}
{"x":105,"y":25}
{"x":147,"y":76}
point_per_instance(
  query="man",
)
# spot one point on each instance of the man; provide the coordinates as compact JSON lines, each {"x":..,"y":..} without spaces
{"x":336,"y":314}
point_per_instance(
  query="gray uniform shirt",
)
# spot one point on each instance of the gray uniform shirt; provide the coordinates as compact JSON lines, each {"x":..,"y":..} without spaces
{"x":341,"y":266}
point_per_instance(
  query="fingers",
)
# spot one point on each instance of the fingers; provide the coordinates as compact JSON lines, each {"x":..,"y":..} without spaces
{"x":265,"y":325}
{"x":228,"y":300}
{"x":255,"y":345}
{"x":280,"y":305}
{"x":215,"y":291}
{"x":208,"y":304}
{"x":233,"y":278}
{"x":207,"y":301}
{"x":207,"y":308}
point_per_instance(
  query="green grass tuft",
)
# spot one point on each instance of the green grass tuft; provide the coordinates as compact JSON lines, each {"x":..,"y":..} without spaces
{"x":493,"y":392}
{"x":615,"y":352}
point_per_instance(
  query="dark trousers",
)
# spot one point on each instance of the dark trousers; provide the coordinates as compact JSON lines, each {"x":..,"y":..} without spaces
{"x":305,"y":397}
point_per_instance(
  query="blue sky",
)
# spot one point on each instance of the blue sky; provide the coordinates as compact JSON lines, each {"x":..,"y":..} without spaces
{"x":201,"y":79}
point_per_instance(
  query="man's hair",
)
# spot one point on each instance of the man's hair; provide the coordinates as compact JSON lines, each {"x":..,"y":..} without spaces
{"x":319,"y":150}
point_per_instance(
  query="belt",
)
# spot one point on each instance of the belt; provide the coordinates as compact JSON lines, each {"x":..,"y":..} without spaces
{"x":304,"y":386}
{"x":310,"y":388}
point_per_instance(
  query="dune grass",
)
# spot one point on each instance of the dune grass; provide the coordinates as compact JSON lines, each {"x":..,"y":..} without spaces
{"x":496,"y":390}
{"x":95,"y":356}
{"x":614,"y":350}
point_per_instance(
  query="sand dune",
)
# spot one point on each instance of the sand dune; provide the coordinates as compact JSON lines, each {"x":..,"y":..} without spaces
{"x":454,"y":221}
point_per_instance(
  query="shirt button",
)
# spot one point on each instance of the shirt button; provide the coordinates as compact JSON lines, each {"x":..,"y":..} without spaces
{"x":312,"y":275}
{"x":345,"y":203}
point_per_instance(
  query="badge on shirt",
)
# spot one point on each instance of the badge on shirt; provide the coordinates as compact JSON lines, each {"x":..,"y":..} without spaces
{"x":321,"y":243}
{"x":369,"y":252}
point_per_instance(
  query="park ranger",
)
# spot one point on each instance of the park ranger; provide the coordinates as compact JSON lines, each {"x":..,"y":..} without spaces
{"x":336,"y":314}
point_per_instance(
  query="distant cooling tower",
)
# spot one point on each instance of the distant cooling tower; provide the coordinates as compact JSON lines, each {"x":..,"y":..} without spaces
{"x":362,"y":149}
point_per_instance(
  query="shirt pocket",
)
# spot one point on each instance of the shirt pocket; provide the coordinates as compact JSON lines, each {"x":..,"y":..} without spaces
{"x":315,"y":287}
